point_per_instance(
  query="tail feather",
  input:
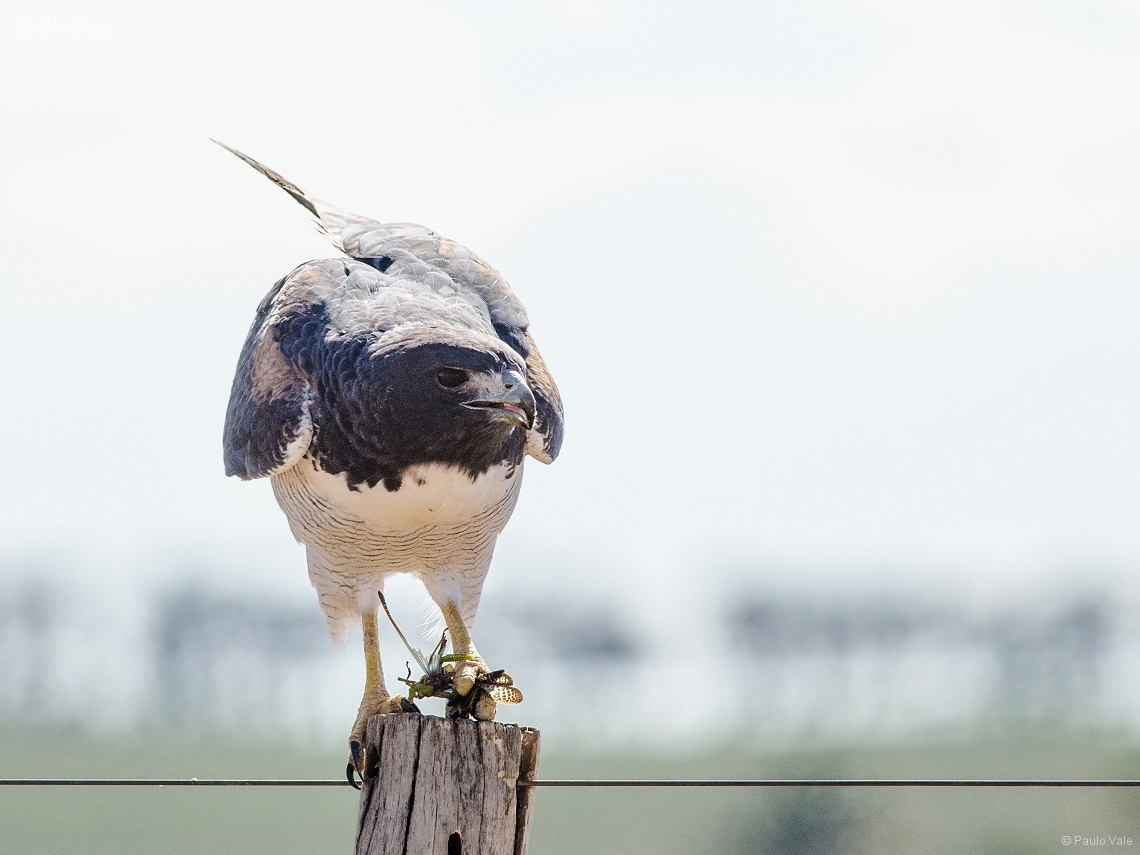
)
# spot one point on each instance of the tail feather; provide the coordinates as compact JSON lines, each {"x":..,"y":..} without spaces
{"x":330,"y":221}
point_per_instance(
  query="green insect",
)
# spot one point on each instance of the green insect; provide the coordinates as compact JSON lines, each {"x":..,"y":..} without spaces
{"x":438,"y":668}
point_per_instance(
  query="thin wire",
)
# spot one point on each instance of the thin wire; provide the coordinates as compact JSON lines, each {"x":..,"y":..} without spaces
{"x":771,"y":782}
{"x":166,"y":782}
{"x":830,"y":782}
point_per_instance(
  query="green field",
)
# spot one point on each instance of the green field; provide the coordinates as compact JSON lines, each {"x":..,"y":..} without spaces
{"x":800,"y":822}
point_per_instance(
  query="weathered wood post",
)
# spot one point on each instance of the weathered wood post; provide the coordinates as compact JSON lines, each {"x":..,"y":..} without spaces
{"x":439,"y":787}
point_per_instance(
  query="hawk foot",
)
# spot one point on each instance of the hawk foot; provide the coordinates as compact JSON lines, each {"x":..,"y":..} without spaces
{"x":484,"y":692}
{"x":369,"y":707}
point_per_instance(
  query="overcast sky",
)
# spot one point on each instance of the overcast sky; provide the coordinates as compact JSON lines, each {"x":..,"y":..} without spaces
{"x":824,"y":284}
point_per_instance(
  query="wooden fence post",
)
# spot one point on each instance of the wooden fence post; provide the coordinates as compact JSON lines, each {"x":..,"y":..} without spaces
{"x":439,"y":787}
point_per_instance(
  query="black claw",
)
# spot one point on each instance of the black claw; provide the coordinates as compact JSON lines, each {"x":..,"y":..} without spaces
{"x":350,"y":771}
{"x":408,"y":706}
{"x":357,"y":759}
{"x":463,"y":706}
{"x":452,"y":711}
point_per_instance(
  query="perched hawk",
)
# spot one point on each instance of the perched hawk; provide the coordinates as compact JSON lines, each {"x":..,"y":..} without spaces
{"x":391,"y":396}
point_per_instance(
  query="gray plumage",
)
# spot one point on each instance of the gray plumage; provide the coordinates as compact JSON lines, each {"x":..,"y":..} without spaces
{"x":426,"y":279}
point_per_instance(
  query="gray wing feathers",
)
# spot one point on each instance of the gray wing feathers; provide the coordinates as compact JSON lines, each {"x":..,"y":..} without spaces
{"x":545,"y":439}
{"x":465,"y":267}
{"x":365,"y":238}
{"x":268,"y":426}
{"x":370,"y":239}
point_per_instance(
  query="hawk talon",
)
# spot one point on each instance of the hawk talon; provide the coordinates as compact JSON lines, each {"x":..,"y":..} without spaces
{"x":467,"y":674}
{"x":481,"y":701}
{"x":485,"y":707}
{"x":349,"y":771}
{"x":368,"y":708}
{"x":476,"y":704}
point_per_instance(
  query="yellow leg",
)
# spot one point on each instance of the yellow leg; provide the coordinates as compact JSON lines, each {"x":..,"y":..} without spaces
{"x":376,"y":700}
{"x":373,"y":666}
{"x":461,"y":644}
{"x":463,"y":681}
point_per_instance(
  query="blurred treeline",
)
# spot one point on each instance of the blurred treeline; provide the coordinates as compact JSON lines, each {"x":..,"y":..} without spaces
{"x":773,"y":668}
{"x":184,"y":678}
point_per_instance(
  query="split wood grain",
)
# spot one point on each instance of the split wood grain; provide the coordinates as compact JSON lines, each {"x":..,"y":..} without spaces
{"x":439,"y":787}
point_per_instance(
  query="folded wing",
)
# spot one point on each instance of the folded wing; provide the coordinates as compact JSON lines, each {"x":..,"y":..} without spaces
{"x":268,"y":425}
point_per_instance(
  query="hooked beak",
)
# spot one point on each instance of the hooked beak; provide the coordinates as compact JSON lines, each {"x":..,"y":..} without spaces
{"x":513,"y":401}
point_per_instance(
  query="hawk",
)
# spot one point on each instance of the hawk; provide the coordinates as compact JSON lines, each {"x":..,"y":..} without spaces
{"x":391,"y":397}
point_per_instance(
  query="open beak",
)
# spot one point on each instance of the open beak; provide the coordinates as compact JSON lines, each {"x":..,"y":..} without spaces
{"x":514,"y":402}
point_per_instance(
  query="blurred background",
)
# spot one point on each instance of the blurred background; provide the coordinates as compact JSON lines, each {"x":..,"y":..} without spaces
{"x":842,"y":302}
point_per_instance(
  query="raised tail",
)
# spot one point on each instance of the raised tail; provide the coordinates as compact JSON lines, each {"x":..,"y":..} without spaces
{"x":332,"y":222}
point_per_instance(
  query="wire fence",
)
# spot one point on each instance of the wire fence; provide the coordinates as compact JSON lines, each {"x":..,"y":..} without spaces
{"x":766,"y":782}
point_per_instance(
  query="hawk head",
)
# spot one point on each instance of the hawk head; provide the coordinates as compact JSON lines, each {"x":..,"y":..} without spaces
{"x":379,"y":410}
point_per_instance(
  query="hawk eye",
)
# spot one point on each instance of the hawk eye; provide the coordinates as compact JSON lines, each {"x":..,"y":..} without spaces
{"x":449,"y":378}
